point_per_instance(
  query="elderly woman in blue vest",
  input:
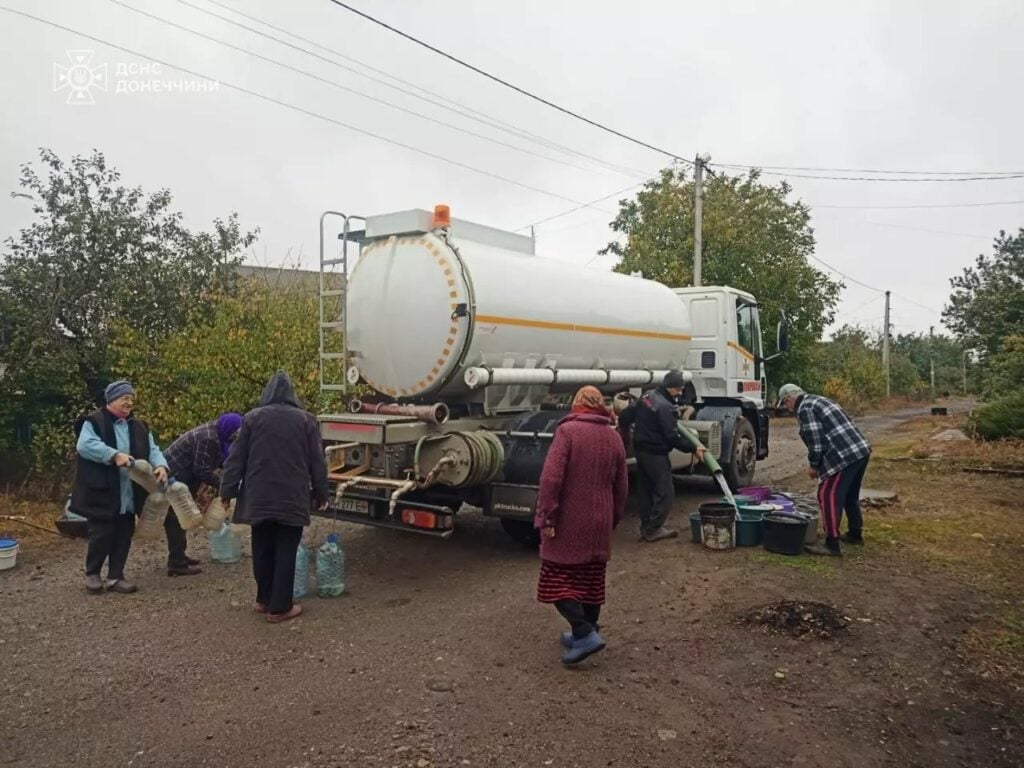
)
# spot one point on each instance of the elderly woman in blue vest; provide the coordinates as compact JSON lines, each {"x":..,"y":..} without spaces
{"x":109,"y":439}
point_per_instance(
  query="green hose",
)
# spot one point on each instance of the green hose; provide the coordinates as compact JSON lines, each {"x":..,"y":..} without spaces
{"x":709,"y":461}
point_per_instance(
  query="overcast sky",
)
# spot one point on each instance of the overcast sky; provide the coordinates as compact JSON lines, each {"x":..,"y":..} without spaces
{"x":875,"y":85}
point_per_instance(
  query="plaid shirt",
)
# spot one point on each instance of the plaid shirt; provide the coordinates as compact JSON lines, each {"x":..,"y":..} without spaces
{"x":833,"y":441}
{"x":194,"y":458}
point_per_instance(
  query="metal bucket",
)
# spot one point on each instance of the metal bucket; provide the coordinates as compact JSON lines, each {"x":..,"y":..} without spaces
{"x":718,"y":526}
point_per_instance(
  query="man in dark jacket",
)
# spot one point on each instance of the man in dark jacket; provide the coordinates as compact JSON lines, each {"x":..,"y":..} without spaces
{"x":196,"y":458}
{"x":655,"y":435}
{"x":276,"y":470}
{"x":837,"y":455}
{"x":109,"y":440}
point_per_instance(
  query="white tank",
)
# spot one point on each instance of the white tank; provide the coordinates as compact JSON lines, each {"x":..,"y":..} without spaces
{"x":421,"y":310}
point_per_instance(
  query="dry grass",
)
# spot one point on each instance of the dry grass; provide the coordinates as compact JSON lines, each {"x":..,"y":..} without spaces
{"x":39,"y":513}
{"x":966,"y":524}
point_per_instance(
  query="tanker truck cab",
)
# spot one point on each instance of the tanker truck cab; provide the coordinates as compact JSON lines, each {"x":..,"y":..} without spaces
{"x":727,"y":362}
{"x":455,"y":351}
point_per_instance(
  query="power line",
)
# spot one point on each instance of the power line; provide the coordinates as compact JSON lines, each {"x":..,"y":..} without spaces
{"x":302,"y":110}
{"x":334,"y":84}
{"x":939,"y":205}
{"x":581,"y":207}
{"x":507,"y":84}
{"x":417,"y":92}
{"x":929,"y":231}
{"x":901,"y":179}
{"x":866,"y":170}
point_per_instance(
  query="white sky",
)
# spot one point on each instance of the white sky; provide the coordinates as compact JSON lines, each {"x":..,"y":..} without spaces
{"x":911,"y":85}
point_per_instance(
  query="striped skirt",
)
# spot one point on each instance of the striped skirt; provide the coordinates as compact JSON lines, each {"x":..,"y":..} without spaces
{"x":583,"y":583}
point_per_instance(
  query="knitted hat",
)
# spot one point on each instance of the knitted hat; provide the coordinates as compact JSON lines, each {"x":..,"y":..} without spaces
{"x":116,"y":389}
{"x":673,"y":380}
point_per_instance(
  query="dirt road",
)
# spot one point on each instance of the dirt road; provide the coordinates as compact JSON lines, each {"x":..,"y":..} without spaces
{"x":439,"y":656}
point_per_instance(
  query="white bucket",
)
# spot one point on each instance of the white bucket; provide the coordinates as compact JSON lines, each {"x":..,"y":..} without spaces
{"x":8,"y":553}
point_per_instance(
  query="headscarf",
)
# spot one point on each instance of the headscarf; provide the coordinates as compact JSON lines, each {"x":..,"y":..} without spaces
{"x":227,"y":425}
{"x":590,"y":400}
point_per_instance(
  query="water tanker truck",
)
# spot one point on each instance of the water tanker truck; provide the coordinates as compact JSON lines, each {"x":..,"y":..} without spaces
{"x":459,"y":349}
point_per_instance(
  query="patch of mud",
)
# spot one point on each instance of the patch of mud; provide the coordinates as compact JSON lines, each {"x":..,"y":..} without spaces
{"x":798,"y":619}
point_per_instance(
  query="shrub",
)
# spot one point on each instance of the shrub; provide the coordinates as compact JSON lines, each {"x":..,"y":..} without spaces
{"x":999,"y":419}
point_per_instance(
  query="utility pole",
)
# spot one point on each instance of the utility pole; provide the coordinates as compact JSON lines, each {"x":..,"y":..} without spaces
{"x":698,"y":214}
{"x":885,"y":348}
{"x":931,"y":353}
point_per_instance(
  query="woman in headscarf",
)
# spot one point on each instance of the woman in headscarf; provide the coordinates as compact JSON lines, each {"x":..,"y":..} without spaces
{"x":277,"y":472}
{"x":582,"y":497}
{"x":196,"y":458}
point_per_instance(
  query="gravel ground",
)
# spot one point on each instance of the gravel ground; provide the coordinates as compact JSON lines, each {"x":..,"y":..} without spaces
{"x":439,"y":656}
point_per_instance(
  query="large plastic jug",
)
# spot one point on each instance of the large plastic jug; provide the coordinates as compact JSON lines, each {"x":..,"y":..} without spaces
{"x":140,"y":472}
{"x":330,"y":568}
{"x":225,"y":545}
{"x":184,"y":505}
{"x":215,"y":515}
{"x":151,"y":521}
{"x":301,"y":586}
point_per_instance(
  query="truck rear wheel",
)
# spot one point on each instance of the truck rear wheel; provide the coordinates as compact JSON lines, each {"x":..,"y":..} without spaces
{"x":521,"y":531}
{"x":739,"y":472}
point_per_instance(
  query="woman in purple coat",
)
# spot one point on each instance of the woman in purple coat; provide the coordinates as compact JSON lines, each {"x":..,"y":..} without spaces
{"x":582,"y":497}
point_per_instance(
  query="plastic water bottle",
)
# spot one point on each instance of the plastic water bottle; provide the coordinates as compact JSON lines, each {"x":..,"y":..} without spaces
{"x":301,"y":586}
{"x":215,"y":515}
{"x":225,"y":545}
{"x":184,"y":505}
{"x":330,"y":568}
{"x":151,"y":520}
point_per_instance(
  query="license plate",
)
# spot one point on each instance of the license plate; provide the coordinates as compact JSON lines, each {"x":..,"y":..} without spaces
{"x":358,"y":506}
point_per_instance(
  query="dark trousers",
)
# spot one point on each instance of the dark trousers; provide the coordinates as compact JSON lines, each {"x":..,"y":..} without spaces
{"x":838,"y":493}
{"x":274,"y":547}
{"x":582,"y":617}
{"x":657,"y":490}
{"x":110,"y":541}
{"x":177,"y":541}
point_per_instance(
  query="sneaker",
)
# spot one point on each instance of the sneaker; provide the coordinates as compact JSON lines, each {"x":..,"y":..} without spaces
{"x":660,"y":533}
{"x":94,"y":584}
{"x":121,"y":586}
{"x":821,"y":549}
{"x":852,"y":538}
{"x":183,"y":570}
{"x":191,"y":561}
{"x":275,"y":618}
{"x":582,"y":648}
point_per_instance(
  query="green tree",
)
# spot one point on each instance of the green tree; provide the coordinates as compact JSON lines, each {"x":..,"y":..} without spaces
{"x":222,"y":362}
{"x":754,"y":239}
{"x":987,"y":303}
{"x":946,"y":352}
{"x":96,"y":254}
{"x":852,"y":368}
{"x":1006,"y":372}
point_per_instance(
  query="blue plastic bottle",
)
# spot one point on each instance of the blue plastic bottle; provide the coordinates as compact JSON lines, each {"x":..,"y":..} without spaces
{"x":301,"y":586}
{"x":330,"y":568}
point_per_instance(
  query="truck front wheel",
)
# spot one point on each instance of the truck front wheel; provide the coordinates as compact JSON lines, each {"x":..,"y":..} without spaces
{"x":739,"y":472}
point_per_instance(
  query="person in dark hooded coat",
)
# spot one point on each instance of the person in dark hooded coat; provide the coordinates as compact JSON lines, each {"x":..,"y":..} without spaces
{"x":277,"y":472}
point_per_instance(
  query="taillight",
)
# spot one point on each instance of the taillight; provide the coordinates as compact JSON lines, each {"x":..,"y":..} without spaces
{"x":421,"y":518}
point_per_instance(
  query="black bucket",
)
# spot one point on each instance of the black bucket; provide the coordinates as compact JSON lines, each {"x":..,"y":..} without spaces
{"x":783,"y":535}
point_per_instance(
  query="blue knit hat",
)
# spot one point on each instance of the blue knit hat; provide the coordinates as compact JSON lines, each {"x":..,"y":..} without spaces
{"x":116,"y":389}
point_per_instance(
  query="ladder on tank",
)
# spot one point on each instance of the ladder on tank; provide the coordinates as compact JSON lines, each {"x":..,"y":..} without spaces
{"x":332,"y":309}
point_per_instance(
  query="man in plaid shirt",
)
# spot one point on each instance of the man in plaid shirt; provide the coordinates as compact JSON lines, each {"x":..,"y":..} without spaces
{"x":837,"y":455}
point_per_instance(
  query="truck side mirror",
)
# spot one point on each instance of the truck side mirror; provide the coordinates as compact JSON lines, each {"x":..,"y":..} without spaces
{"x":782,"y":336}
